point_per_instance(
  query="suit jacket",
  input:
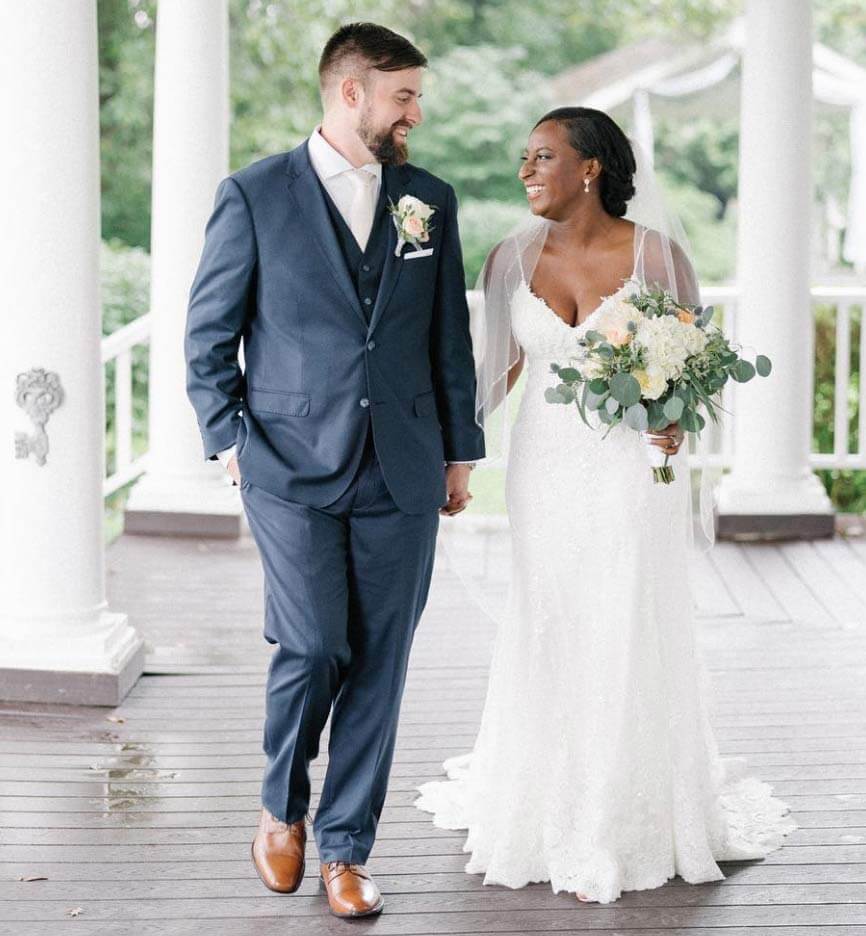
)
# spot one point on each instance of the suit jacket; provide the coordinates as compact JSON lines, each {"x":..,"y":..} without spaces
{"x":317,"y":372}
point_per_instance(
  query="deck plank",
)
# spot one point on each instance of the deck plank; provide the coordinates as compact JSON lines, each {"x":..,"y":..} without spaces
{"x":144,"y":820}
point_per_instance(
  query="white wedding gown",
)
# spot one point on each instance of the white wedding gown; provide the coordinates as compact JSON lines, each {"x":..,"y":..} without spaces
{"x":595,"y":766}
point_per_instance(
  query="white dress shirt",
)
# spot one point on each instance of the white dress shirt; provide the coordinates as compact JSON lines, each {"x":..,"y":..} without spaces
{"x":335,"y":173}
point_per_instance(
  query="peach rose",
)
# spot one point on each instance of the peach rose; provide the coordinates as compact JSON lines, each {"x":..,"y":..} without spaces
{"x":413,"y":226}
{"x":618,"y":336}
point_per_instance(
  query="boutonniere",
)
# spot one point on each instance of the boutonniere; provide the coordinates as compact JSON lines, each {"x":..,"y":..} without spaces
{"x":412,"y":220}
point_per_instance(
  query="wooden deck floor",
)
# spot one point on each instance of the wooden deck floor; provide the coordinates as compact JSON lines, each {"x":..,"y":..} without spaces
{"x":140,"y":819}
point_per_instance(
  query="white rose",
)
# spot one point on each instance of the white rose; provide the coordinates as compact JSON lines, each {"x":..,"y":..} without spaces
{"x":694,"y":339}
{"x":663,"y":340}
{"x":412,"y":205}
{"x":652,"y":382}
{"x":614,"y":318}
{"x":591,"y":367}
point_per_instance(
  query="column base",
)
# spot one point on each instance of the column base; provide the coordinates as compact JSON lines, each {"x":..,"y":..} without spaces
{"x":770,"y":509}
{"x":98,"y":669}
{"x":756,"y":527}
{"x":166,"y":506}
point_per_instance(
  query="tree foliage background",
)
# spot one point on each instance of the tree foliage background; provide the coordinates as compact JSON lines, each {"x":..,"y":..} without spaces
{"x":491,"y":62}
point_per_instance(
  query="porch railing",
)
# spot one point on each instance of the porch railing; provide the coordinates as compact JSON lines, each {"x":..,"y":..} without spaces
{"x":848,"y":303}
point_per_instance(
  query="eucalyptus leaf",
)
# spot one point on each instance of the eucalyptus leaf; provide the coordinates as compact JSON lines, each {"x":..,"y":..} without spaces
{"x":552,"y":395}
{"x":673,"y":408}
{"x":636,"y":417}
{"x":594,"y":337}
{"x":688,"y":421}
{"x":569,"y":374}
{"x":598,"y":386}
{"x":743,"y":371}
{"x":656,"y":415}
{"x":763,"y":365}
{"x":625,"y":389}
{"x":581,"y":405}
{"x":595,"y":400}
{"x":611,"y":405}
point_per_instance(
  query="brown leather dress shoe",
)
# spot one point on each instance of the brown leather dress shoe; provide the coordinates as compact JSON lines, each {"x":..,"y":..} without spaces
{"x":278,"y":853}
{"x":352,"y":892}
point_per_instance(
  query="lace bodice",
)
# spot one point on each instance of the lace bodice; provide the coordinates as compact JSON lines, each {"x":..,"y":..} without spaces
{"x":541,"y":332}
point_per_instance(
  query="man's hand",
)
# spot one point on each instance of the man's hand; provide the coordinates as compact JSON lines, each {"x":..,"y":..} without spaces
{"x":457,"y":484}
{"x":233,"y":470}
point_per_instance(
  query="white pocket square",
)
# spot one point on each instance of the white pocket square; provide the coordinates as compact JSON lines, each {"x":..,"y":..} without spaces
{"x":411,"y":254}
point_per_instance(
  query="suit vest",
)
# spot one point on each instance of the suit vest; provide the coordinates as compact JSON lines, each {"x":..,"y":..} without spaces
{"x":364,"y":267}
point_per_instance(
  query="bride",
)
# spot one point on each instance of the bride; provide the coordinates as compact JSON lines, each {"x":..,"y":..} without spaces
{"x":595,"y":766}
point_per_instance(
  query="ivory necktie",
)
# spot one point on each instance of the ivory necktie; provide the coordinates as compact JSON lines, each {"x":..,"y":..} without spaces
{"x":361,"y":209}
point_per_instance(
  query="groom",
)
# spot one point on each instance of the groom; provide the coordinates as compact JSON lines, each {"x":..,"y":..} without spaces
{"x":354,"y":424}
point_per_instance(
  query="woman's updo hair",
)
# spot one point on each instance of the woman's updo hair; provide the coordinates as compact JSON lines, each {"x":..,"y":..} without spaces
{"x":595,"y":135}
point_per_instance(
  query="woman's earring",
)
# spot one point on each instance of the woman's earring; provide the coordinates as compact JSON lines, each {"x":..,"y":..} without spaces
{"x":586,"y":185}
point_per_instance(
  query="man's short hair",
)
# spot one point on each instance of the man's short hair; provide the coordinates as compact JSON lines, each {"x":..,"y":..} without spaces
{"x":357,"y":47}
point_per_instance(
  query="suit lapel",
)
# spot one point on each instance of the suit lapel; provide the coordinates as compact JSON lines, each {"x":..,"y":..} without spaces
{"x":394,"y":181}
{"x":305,"y":189}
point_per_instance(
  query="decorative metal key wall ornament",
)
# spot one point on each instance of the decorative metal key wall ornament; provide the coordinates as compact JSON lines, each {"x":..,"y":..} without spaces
{"x":38,"y":393}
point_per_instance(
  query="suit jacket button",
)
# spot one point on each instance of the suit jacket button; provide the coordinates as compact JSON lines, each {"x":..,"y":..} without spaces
{"x":366,"y":268}
{"x":365,"y":402}
{"x":371,"y":345}
{"x":368,"y":301}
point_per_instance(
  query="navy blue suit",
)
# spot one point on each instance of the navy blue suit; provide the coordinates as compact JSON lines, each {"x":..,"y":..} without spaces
{"x":358,"y":386}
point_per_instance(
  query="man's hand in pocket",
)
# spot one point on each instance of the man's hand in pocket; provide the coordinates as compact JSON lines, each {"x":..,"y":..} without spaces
{"x":233,"y":470}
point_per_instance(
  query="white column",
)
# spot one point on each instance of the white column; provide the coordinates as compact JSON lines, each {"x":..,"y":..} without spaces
{"x":58,"y":640}
{"x":181,"y":492}
{"x":771,"y":474}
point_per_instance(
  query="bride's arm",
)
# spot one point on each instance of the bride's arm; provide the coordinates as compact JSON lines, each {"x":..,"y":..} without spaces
{"x":514,"y":373}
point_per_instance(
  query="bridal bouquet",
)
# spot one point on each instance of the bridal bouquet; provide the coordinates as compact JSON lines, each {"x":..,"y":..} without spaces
{"x":649,"y":361}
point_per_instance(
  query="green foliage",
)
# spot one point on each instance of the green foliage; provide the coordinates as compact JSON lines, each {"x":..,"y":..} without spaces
{"x":701,"y":154}
{"x":480,"y":104}
{"x":126,"y":47}
{"x":673,"y":408}
{"x":625,"y":389}
{"x":636,"y":417}
{"x":125,"y":284}
{"x":485,"y":88}
{"x":713,"y":239}
{"x":482,"y":225}
{"x":847,"y":489}
{"x":125,"y":278}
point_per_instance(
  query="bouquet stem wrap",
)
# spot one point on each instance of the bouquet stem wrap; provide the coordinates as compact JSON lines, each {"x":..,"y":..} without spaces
{"x":663,"y":473}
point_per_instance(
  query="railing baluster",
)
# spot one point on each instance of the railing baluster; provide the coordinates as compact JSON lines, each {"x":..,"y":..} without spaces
{"x":118,"y":347}
{"x":123,"y":409}
{"x":842,"y":372}
{"x":728,"y":391}
{"x":861,"y":389}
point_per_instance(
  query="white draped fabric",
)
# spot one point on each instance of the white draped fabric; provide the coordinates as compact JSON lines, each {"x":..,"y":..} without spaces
{"x":837,"y":81}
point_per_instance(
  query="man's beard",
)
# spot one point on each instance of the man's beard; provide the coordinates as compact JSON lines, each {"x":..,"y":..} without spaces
{"x":382,"y":143}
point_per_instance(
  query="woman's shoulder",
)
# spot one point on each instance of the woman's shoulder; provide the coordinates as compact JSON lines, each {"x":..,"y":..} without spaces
{"x":654,"y":241}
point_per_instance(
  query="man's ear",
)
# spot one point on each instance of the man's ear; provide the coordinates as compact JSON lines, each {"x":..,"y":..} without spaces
{"x":351,"y":92}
